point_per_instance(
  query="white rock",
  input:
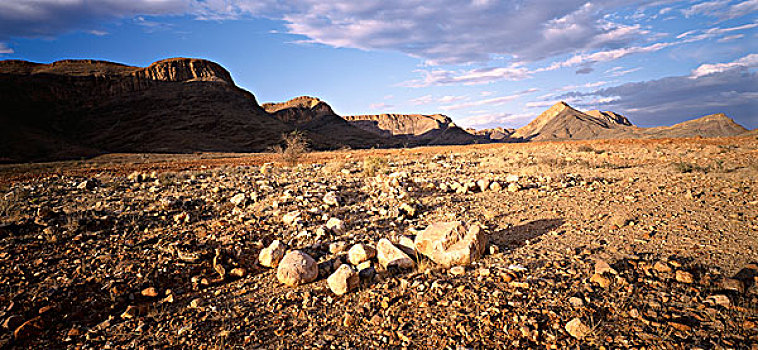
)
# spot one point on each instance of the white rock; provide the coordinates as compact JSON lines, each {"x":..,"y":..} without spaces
{"x":495,"y":186}
{"x":360,"y":253}
{"x":452,"y":243}
{"x":331,"y":199}
{"x":238,"y":199}
{"x":271,"y":255}
{"x":336,"y":225}
{"x":390,"y":255}
{"x":292,"y":218}
{"x":511,"y":178}
{"x":513,"y":187}
{"x":343,"y":280}
{"x":483,"y":184}
{"x":297,"y":268}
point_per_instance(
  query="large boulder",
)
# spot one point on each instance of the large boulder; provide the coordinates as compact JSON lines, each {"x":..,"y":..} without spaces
{"x":390,"y":255}
{"x":452,"y":243}
{"x":297,"y":268}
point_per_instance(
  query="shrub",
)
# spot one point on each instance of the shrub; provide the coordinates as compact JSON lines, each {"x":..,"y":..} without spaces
{"x":295,"y":146}
{"x":374,"y":165}
{"x":684,"y":167}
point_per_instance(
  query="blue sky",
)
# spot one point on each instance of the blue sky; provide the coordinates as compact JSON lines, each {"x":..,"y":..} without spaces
{"x":484,"y":63}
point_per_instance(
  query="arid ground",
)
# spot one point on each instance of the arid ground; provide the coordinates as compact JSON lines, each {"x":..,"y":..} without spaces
{"x":593,"y":244}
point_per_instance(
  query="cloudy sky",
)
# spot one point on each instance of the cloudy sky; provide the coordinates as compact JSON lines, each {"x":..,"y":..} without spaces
{"x":483,"y":62}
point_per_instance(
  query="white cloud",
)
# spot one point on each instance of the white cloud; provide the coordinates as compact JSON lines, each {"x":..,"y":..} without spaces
{"x":722,"y":9}
{"x":380,"y":105}
{"x":749,"y":61}
{"x":32,"y":18}
{"x":489,"y":120}
{"x":730,"y":88}
{"x":4,"y":49}
{"x":468,"y":77}
{"x":488,"y":102}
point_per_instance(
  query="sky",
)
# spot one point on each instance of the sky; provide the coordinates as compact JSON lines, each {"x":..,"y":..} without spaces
{"x":484,"y":63}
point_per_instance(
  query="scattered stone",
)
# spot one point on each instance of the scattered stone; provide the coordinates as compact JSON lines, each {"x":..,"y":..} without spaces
{"x":684,"y":277}
{"x":238,"y":199}
{"x":577,"y":329}
{"x":131,"y":312}
{"x":496,"y":187}
{"x":576,"y":302}
{"x":720,"y":299}
{"x":337,"y":247}
{"x":238,"y":272}
{"x":343,"y":280}
{"x":452,"y":243}
{"x":483,"y":185}
{"x":196,"y":303}
{"x":330,"y":198}
{"x":602,"y":267}
{"x":336,"y":225}
{"x":348,"y":320}
{"x":271,"y":255}
{"x":408,"y":209}
{"x":457,"y":270}
{"x":360,"y":253}
{"x":662,"y":267}
{"x":601,"y":280}
{"x":390,"y":255}
{"x":297,"y":268}
{"x":149,"y":292}
{"x":292,"y":218}
{"x":513,"y":187}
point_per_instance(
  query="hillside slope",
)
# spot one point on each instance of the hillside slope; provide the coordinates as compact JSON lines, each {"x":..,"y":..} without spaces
{"x":78,"y":108}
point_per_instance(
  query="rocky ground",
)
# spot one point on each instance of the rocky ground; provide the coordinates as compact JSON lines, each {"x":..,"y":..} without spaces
{"x":603,"y":244}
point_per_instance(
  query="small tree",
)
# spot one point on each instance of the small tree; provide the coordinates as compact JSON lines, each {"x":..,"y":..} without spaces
{"x":295,"y":145}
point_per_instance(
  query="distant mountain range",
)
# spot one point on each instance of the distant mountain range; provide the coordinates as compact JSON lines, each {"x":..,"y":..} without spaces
{"x":79,"y":108}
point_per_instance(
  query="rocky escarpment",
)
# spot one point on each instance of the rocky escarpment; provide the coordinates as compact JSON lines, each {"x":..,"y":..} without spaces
{"x":299,"y":110}
{"x":324,"y":128}
{"x":76,"y":108}
{"x":417,"y":129}
{"x":495,"y":134}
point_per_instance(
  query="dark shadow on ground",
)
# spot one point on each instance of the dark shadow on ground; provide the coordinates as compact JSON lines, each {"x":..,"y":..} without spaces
{"x":517,"y":236}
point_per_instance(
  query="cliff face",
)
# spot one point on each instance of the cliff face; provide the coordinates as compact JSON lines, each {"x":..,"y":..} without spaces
{"x":324,"y":128}
{"x":300,"y":110}
{"x":75,"y":108}
{"x":415,"y":129}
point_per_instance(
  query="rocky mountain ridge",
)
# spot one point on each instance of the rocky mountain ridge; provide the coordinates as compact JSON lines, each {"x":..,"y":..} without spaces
{"x":563,"y":122}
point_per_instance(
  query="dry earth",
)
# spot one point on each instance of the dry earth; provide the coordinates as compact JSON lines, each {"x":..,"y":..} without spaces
{"x":96,"y":256}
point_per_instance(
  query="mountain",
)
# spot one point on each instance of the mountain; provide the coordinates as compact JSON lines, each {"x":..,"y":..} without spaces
{"x":415,"y":129}
{"x":495,"y":134}
{"x":78,"y":108}
{"x":563,"y":122}
{"x":714,"y":125}
{"x":324,"y":128}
